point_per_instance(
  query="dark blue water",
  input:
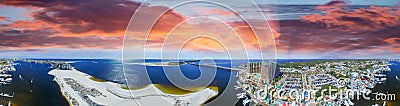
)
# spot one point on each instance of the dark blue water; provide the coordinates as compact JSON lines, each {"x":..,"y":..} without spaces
{"x":43,"y":91}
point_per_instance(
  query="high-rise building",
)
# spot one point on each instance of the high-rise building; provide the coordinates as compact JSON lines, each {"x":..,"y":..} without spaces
{"x":268,"y":71}
{"x":254,"y":67}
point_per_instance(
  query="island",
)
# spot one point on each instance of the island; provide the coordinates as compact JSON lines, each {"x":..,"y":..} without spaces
{"x":81,"y":89}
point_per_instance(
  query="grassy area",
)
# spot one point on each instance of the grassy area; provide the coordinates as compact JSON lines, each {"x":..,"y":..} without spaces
{"x":170,"y":89}
{"x":299,"y":65}
{"x":277,"y":79}
{"x":366,"y":67}
{"x":178,"y":91}
{"x":163,"y":88}
{"x":96,"y":79}
{"x":214,"y":88}
{"x":2,"y":62}
{"x":133,"y":88}
{"x":333,"y":73}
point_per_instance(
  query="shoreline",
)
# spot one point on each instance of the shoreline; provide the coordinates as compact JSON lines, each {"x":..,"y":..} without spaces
{"x":65,"y":97}
{"x":78,"y":89}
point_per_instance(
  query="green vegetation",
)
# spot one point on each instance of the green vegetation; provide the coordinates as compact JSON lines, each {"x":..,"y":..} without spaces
{"x":96,"y":79}
{"x":133,"y":88}
{"x":3,"y":62}
{"x":299,"y":65}
{"x":178,"y":91}
{"x":366,"y":67}
{"x":333,"y":73}
{"x":295,"y":73}
{"x":277,"y":79}
{"x":169,"y":89}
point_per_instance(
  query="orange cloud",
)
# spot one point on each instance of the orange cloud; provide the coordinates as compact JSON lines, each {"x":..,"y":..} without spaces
{"x":364,"y":19}
{"x":203,"y":44}
{"x":68,"y":24}
{"x":394,"y":44}
{"x":395,"y":49}
{"x":2,"y":18}
{"x":247,"y":39}
{"x":392,"y":40}
{"x":83,"y":26}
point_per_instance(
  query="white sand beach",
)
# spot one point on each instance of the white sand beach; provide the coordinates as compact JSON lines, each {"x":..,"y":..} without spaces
{"x":80,"y":90}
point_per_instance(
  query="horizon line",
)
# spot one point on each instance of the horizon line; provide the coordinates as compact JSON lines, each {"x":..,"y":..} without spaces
{"x":212,"y":58}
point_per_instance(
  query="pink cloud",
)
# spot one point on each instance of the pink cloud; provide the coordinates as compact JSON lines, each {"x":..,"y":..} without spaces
{"x":364,"y":19}
{"x":392,"y":40}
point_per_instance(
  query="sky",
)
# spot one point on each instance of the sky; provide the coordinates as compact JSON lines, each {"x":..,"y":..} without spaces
{"x":93,"y":29}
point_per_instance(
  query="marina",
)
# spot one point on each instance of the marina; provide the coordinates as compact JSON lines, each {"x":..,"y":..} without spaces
{"x":7,"y":95}
{"x":6,"y":67}
{"x":362,"y":75}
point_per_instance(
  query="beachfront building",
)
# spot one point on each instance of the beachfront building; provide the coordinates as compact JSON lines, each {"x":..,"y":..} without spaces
{"x":64,"y":66}
{"x":268,"y":71}
{"x":255,"y":67}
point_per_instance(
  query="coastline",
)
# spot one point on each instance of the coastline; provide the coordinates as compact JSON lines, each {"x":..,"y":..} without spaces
{"x":65,"y":97}
{"x":114,"y":94}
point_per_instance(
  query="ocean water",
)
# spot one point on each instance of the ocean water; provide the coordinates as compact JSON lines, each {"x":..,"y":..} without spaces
{"x":43,"y":91}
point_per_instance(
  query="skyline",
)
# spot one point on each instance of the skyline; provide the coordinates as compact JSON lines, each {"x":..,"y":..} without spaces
{"x":75,"y":29}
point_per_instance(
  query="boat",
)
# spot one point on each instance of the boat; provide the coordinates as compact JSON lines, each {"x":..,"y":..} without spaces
{"x":397,"y":77}
{"x":237,"y":87}
{"x":370,"y":86}
{"x":246,"y":102}
{"x":52,"y":66}
{"x":7,"y":95}
{"x":387,"y":69}
{"x":5,"y":75}
{"x":20,"y":77}
{"x":237,"y":74}
{"x":5,"y":79}
{"x":380,"y":75}
{"x":241,"y":95}
{"x":4,"y":83}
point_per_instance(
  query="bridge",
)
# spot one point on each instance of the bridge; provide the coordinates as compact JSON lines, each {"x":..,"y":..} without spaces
{"x":220,"y":67}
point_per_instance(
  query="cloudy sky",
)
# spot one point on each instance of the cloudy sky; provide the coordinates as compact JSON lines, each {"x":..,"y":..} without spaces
{"x":95,"y":29}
